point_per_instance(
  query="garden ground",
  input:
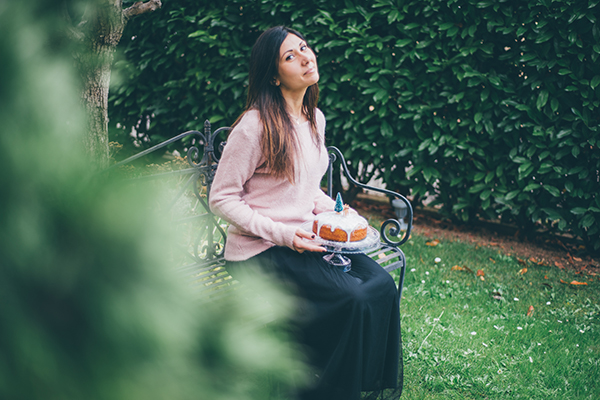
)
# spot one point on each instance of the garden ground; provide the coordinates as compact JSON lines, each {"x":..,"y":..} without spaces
{"x":563,"y":253}
{"x":489,"y":315}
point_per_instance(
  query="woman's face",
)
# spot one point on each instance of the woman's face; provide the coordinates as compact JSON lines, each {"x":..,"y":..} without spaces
{"x":297,"y":65}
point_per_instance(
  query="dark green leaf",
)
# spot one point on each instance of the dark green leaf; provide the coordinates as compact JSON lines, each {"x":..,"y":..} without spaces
{"x":542,"y":99}
{"x":579,"y":210}
{"x":587,"y":221}
{"x":552,"y":190}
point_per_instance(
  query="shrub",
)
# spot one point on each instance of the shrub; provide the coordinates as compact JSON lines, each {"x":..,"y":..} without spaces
{"x":490,"y":108}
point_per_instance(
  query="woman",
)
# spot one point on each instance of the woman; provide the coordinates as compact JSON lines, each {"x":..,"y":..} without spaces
{"x":266,"y":186}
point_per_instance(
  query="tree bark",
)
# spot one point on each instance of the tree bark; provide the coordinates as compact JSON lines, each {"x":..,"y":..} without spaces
{"x":100,"y":31}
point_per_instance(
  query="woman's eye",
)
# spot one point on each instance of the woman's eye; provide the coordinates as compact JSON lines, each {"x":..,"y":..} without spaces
{"x":289,"y":57}
{"x":303,"y":48}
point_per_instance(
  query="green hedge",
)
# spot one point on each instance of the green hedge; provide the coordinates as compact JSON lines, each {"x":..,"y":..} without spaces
{"x":491,"y":108}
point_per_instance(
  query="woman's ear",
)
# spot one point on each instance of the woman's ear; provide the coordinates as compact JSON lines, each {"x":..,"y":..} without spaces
{"x":275,"y":82}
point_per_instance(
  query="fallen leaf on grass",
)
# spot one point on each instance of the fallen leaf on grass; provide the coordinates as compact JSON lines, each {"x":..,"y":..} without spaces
{"x":463,"y":268}
{"x":492,"y":260}
{"x":573,"y":283}
{"x":530,"y":311}
{"x":480,"y":274}
{"x":433,"y":243}
{"x":559,"y":265}
{"x":577,"y":259}
{"x":547,"y":285}
{"x":521,"y":261}
{"x":522,"y":271}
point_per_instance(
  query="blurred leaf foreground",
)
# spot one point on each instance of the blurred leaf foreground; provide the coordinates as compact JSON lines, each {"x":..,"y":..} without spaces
{"x":89,"y":305}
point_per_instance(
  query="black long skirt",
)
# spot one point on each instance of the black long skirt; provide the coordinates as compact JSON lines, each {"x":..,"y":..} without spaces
{"x":348,"y":322}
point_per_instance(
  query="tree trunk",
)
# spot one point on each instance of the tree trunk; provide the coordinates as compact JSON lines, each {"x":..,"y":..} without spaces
{"x":96,"y":81}
{"x":100,"y":34}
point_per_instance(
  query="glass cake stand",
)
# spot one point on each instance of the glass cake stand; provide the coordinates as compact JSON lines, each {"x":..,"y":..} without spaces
{"x":336,"y":250}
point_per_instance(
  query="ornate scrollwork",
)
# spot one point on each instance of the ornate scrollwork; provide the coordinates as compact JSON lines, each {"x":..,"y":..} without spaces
{"x":394,"y":231}
{"x":192,"y":154}
{"x":205,"y":238}
{"x":209,"y":243}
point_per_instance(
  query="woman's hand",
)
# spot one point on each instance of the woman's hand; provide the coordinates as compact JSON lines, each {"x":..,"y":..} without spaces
{"x":300,"y":244}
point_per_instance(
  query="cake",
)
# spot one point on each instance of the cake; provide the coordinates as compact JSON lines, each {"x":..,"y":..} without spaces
{"x":340,"y":225}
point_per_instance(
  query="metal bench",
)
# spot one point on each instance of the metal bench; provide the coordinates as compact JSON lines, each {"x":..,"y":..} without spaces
{"x":206,"y":235}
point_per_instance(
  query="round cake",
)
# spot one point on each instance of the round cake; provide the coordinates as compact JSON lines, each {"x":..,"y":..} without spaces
{"x":340,"y":226}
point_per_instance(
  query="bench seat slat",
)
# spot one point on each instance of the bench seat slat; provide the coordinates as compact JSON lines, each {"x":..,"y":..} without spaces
{"x":197,"y":268}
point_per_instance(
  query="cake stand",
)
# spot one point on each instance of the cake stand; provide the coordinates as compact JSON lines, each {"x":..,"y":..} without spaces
{"x":336,"y":250}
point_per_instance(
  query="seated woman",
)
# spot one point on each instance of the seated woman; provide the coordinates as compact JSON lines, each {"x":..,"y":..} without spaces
{"x":267,"y":185}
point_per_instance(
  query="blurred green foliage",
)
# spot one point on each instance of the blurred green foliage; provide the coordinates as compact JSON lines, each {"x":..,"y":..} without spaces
{"x":491,"y":108}
{"x":90,"y":306}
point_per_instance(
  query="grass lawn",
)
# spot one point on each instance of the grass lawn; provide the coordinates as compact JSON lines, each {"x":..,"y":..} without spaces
{"x":470,"y":337}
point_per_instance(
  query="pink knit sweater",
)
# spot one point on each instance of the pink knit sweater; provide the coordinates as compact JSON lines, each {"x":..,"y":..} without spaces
{"x":264,"y":211}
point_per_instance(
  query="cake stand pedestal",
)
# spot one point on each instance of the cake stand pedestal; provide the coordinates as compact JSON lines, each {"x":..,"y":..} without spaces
{"x":337,"y":250}
{"x":338,"y":261}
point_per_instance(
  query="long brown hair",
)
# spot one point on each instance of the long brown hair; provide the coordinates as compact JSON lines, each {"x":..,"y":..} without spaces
{"x":279,"y":143}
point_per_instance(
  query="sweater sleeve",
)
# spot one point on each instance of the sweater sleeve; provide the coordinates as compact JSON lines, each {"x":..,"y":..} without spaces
{"x":240,"y":159}
{"x":323,"y":202}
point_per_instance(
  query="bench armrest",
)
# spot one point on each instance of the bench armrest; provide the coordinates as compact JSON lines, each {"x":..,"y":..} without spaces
{"x":393,"y":224}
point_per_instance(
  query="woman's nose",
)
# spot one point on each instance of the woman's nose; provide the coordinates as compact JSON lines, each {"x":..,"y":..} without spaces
{"x":306,"y":58}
